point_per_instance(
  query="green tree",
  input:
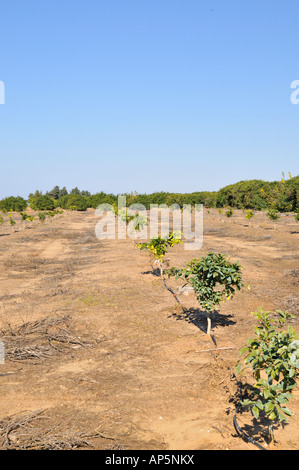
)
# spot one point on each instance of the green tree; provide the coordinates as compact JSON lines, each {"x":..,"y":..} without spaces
{"x":213,"y":278}
{"x":273,"y":356}
{"x":42,"y":203}
{"x":36,"y":194}
{"x":42,"y":216}
{"x":76,"y":202}
{"x":63,"y":192}
{"x":249,"y":214}
{"x":54,"y":193}
{"x":229,"y":213}
{"x":15,"y":204}
{"x":75,"y":190}
{"x":12,"y":222}
{"x":273,"y":215}
{"x":159,"y":246}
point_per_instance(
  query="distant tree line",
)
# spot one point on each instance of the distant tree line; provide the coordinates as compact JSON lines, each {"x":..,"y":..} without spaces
{"x":282,"y":196}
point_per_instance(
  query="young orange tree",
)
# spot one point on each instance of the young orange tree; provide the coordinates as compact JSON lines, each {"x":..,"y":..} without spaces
{"x":249,"y":215}
{"x":213,"y":278}
{"x":159,"y":246}
{"x":273,"y":356}
{"x":273,"y":215}
{"x":12,"y":222}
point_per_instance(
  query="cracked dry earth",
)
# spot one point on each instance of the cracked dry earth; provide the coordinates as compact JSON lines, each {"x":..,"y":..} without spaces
{"x":100,"y":355}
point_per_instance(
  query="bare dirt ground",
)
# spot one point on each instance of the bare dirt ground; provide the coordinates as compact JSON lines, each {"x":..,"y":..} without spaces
{"x":99,"y":353}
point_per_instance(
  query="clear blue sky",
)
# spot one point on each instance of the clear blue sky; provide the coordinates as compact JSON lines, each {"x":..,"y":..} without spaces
{"x":146,"y":95}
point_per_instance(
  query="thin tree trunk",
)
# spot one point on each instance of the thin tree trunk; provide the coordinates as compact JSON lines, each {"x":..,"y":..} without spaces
{"x":271,"y":433}
{"x":209,"y":323}
{"x":161,"y":268}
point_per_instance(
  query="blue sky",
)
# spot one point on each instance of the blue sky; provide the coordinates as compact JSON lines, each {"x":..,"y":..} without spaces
{"x":124,"y":95}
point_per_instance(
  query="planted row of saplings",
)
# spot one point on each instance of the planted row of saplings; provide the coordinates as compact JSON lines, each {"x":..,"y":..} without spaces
{"x":44,"y":215}
{"x":272,"y":353}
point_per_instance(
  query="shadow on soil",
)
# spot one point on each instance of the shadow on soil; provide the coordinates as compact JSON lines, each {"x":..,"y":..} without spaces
{"x":199,"y":318}
{"x":256,"y":431}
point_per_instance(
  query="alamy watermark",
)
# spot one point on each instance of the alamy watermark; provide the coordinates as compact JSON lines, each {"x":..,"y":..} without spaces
{"x":295,"y":93}
{"x":2,"y":92}
{"x":136,"y":222}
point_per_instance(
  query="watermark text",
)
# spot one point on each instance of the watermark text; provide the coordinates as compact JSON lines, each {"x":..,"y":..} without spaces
{"x":295,"y":93}
{"x":138,"y":223}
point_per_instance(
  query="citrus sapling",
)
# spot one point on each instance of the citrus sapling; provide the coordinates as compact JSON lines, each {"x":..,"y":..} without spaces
{"x":159,"y":246}
{"x":12,"y":222}
{"x":273,"y":215}
{"x":229,"y":213}
{"x":213,"y":278}
{"x":273,"y":357}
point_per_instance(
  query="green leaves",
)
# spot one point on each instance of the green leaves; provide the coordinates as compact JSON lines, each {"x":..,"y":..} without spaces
{"x":15,"y":204}
{"x":249,"y":214}
{"x":214,"y":279}
{"x":41,"y":203}
{"x":273,"y":214}
{"x":275,"y":354}
{"x":159,"y":246}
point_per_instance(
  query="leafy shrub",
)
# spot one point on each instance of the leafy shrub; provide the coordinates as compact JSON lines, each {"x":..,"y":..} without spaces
{"x":12,"y":222}
{"x":159,"y":246}
{"x":100,"y":198}
{"x":31,"y":218}
{"x":249,"y":214}
{"x":273,"y":356}
{"x":42,"y":203}
{"x":273,"y":214}
{"x":24,"y":216}
{"x":42,"y":216}
{"x":122,"y":213}
{"x":73,"y":202}
{"x":213,"y":278}
{"x":15,"y":204}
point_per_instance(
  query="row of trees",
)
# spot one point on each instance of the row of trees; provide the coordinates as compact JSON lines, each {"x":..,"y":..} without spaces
{"x":272,"y":354}
{"x":281,"y":196}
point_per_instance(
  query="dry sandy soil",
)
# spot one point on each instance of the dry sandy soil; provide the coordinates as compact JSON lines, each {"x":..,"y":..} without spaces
{"x":99,"y":353}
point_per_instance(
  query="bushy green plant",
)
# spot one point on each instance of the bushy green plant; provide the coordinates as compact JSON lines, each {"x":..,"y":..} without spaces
{"x":273,"y":215}
{"x":15,"y":204}
{"x":249,"y":214}
{"x":213,"y":278}
{"x":24,"y":216}
{"x":75,"y":202}
{"x":31,"y":218}
{"x":273,"y":356}
{"x":12,"y":222}
{"x":122,"y":214}
{"x":42,"y":203}
{"x":42,"y":216}
{"x":229,"y":213}
{"x":139,"y":222}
